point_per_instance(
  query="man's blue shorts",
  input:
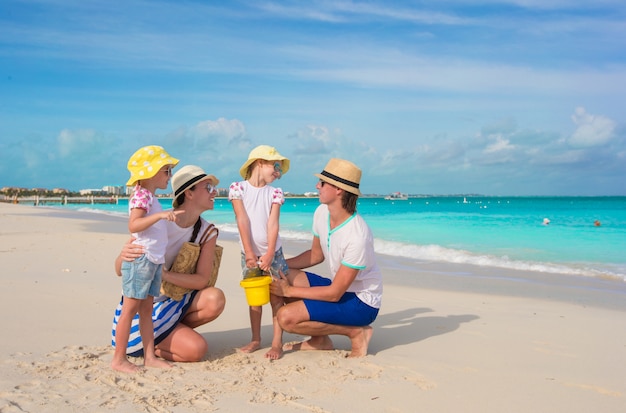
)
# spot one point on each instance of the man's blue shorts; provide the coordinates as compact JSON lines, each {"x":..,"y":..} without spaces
{"x":348,"y":311}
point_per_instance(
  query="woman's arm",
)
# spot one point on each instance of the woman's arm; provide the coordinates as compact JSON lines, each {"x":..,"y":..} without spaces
{"x":204,"y":268}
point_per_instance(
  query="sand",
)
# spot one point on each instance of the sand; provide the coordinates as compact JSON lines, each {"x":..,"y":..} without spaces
{"x":448,"y":338}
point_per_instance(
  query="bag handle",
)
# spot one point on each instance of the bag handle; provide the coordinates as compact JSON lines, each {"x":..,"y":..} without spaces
{"x":208,"y":232}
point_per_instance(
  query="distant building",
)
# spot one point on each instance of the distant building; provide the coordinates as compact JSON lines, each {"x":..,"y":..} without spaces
{"x":105,"y":190}
{"x":14,"y":189}
{"x":92,"y":192}
{"x":114,"y":189}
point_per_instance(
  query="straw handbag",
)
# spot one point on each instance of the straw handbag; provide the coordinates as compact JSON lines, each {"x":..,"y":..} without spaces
{"x":186,"y":261}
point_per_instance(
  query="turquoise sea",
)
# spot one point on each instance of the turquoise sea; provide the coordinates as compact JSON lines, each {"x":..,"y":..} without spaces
{"x":504,"y":232}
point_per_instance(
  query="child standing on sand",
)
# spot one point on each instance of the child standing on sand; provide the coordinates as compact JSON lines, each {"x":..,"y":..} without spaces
{"x":257,"y":210}
{"x":150,"y":169}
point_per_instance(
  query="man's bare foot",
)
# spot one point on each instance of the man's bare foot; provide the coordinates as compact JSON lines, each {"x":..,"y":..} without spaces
{"x":361,"y":341}
{"x":274,"y":353}
{"x":251,"y":347}
{"x":126,"y":367}
{"x":157,"y":363}
{"x":314,"y":343}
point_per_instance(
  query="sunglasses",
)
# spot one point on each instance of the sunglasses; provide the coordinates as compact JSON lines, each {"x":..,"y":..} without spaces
{"x":211,"y":188}
{"x":168,"y":171}
{"x":278,"y":167}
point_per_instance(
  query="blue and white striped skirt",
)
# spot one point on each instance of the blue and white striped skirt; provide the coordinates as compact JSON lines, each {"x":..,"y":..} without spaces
{"x":166,"y":314}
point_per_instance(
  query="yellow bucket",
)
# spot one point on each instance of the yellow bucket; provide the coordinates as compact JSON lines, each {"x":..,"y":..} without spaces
{"x":257,"y":290}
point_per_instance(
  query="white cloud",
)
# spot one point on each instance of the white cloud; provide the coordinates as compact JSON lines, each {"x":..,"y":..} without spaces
{"x":316,"y":140}
{"x":232,"y":129}
{"x":72,"y":141}
{"x":214,"y":137}
{"x":500,"y":144}
{"x":592,"y":130}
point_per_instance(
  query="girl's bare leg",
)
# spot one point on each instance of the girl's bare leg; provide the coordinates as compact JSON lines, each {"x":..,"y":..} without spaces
{"x":147,"y":335}
{"x":120,"y":361}
{"x":256,"y":313}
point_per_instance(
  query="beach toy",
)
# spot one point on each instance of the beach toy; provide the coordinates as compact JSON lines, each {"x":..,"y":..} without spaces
{"x":254,"y":272}
{"x":257,"y":290}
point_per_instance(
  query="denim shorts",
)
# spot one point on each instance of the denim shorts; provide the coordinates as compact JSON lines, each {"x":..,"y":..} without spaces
{"x":141,"y":278}
{"x":348,"y":311}
{"x":278,"y":264}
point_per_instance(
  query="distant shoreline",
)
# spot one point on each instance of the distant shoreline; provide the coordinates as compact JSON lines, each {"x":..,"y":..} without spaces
{"x":53,"y":198}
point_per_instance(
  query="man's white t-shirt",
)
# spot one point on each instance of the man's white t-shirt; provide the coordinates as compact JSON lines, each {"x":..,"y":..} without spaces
{"x":351,"y":244}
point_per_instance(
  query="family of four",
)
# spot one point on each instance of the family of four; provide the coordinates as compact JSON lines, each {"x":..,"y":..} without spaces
{"x":161,"y":329}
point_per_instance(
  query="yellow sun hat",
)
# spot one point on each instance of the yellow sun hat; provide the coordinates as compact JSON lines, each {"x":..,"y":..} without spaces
{"x":267,"y":153}
{"x":147,"y":161}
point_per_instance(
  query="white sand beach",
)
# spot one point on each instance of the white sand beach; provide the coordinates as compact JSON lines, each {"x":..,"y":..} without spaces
{"x":448,"y":338}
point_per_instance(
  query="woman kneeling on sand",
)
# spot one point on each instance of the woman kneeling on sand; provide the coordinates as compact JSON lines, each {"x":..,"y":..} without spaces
{"x":347,"y":302}
{"x":174,"y":321}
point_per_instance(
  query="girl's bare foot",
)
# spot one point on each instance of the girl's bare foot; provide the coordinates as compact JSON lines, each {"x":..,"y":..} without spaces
{"x":361,"y":341}
{"x":251,"y":347}
{"x":125,"y":367}
{"x":274,"y":353}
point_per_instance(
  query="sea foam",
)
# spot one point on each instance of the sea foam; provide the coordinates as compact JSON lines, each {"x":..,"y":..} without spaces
{"x":438,"y":253}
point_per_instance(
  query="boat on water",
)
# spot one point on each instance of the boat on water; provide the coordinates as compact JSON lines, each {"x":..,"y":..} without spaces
{"x":397,"y":196}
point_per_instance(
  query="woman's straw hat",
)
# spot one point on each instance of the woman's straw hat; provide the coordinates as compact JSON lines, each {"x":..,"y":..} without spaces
{"x":188,"y":176}
{"x":147,"y":161}
{"x":342,"y":174}
{"x":267,"y":153}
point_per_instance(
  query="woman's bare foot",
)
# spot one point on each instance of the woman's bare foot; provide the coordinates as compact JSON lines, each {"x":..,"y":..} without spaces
{"x":361,"y":341}
{"x":125,"y":367}
{"x":314,"y":343}
{"x":274,"y":353}
{"x":157,"y":363}
{"x":251,"y":347}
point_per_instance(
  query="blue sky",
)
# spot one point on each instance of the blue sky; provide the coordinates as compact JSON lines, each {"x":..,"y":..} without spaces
{"x":499,"y":97}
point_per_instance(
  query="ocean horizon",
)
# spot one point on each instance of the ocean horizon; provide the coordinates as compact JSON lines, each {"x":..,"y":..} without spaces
{"x":495,"y":231}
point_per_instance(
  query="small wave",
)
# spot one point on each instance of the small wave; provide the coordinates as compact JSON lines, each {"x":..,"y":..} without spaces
{"x":102,"y":212}
{"x":285,"y":234}
{"x":442,"y":254}
{"x":456,"y":256}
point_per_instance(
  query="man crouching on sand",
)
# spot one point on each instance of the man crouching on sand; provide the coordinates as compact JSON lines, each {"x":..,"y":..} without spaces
{"x":347,"y":302}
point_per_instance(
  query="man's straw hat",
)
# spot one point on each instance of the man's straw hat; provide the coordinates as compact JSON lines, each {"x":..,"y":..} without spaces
{"x":342,"y":174}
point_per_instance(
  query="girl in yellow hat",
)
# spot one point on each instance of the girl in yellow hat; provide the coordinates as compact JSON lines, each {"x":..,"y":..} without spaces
{"x":257,"y":208}
{"x":150,"y":169}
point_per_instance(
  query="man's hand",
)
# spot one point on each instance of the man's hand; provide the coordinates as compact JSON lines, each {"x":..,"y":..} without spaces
{"x":280,"y":286}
